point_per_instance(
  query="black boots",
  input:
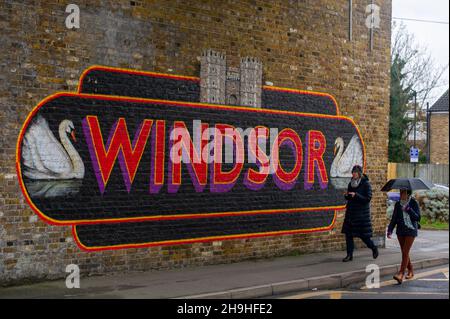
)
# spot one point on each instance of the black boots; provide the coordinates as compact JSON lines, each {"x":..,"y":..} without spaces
{"x":347,"y":258}
{"x":375,"y":252}
{"x":350,"y":257}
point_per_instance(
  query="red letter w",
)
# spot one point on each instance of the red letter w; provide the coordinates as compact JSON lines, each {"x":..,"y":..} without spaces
{"x":118,"y":145}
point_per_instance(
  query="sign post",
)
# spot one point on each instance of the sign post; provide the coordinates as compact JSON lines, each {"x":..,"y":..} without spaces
{"x":414,"y":157}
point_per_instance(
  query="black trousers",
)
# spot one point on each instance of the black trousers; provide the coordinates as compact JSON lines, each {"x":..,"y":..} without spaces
{"x":351,"y":245}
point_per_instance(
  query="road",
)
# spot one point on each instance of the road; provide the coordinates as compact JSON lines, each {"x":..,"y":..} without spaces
{"x":185,"y":282}
{"x":429,"y":283}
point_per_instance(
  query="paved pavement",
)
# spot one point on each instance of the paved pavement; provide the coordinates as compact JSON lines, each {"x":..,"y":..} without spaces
{"x":427,"y":284}
{"x":245,"y":279}
{"x":427,"y":241}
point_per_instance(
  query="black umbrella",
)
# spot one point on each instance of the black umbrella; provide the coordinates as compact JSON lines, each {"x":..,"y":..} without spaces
{"x":406,"y":183}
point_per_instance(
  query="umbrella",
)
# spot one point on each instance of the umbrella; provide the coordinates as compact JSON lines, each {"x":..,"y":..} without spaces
{"x":406,"y":183}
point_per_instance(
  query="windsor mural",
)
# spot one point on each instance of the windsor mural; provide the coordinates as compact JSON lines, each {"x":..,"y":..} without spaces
{"x":137,"y":159}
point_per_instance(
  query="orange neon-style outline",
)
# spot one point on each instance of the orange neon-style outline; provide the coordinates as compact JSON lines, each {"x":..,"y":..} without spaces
{"x":131,"y":71}
{"x":196,"y":79}
{"x":81,"y":246}
{"x":297,"y":91}
{"x":168,"y":103}
{"x":202,"y":239}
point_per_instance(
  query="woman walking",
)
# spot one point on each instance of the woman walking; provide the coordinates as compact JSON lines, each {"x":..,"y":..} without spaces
{"x":357,"y":221}
{"x":406,"y":218}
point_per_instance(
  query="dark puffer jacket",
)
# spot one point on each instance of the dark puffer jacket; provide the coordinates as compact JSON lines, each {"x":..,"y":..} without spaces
{"x":357,"y":221}
{"x":413,"y":211}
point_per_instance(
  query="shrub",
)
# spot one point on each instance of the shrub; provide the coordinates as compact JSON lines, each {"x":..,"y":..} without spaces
{"x":433,"y":204}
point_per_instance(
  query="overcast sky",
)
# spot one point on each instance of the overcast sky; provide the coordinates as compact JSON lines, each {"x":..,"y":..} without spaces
{"x":432,"y":35}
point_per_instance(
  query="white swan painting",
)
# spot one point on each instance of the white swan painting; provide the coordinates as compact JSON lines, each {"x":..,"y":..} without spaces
{"x":53,"y":188}
{"x":345,"y":159}
{"x":46,"y":158}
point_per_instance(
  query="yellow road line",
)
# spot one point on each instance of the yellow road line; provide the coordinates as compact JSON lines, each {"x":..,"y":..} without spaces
{"x":416,"y":276}
{"x":338,"y":294}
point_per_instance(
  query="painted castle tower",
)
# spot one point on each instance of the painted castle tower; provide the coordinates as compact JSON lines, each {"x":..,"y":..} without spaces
{"x":220,"y":84}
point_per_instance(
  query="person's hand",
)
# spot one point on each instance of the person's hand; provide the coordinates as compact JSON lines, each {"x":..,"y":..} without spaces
{"x":352,"y":194}
{"x":389,"y":235}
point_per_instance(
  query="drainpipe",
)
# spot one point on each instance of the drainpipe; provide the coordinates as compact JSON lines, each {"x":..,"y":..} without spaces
{"x":350,"y":20}
{"x":415,"y":120}
{"x":428,"y":133}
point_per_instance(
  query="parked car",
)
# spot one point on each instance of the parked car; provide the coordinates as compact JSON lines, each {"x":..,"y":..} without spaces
{"x":439,"y":186}
{"x":393,"y":196}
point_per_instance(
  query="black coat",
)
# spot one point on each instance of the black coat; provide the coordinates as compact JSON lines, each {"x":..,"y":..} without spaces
{"x":357,"y":222}
{"x":397,"y":219}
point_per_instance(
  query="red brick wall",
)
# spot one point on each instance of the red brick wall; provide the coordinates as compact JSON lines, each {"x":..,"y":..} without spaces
{"x":302,"y":44}
{"x":439,"y":138}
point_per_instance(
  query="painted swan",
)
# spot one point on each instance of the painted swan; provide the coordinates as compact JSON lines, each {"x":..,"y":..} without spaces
{"x":44,"y":157}
{"x":345,"y":160}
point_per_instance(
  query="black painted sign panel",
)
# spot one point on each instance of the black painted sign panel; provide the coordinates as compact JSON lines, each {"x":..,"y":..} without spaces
{"x":160,"y":168}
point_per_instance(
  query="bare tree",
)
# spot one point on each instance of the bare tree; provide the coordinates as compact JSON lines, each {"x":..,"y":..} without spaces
{"x":422,"y":73}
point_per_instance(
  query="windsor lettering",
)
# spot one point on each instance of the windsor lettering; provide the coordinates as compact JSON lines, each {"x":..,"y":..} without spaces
{"x":203,"y":153}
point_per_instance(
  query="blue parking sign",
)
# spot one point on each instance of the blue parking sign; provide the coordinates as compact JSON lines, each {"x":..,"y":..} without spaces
{"x":414,"y":155}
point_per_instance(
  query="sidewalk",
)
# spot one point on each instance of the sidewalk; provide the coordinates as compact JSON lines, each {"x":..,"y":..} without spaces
{"x":242,"y":280}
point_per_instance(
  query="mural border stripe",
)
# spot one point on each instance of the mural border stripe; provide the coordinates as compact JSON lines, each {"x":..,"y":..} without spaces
{"x":200,"y":240}
{"x":305,"y":92}
{"x":133,"y":72}
{"x":170,"y":103}
{"x":196,"y":79}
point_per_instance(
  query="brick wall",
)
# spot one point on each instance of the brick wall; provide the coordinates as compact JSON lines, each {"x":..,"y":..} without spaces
{"x":439,"y":138}
{"x":302,"y":44}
